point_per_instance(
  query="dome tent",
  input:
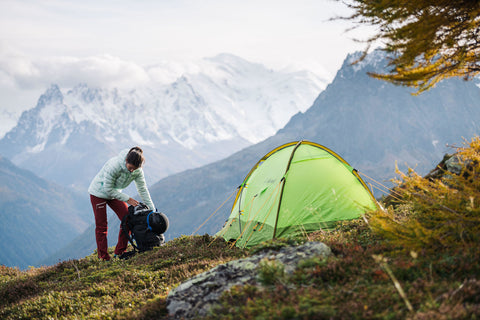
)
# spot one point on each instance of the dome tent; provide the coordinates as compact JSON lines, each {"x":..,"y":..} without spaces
{"x":296,"y":188}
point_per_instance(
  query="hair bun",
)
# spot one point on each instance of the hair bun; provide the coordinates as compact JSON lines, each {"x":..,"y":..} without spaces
{"x":135,"y":157}
{"x":137,"y":149}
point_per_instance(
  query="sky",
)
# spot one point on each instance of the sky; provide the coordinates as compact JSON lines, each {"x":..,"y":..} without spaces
{"x":112,"y":43}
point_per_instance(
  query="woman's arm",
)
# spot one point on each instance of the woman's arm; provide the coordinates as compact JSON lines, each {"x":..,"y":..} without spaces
{"x":143,"y":190}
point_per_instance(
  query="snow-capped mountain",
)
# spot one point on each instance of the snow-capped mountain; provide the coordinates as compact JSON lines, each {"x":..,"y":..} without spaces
{"x":225,"y":105}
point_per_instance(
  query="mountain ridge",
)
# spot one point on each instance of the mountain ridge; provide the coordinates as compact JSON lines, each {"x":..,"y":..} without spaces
{"x":225,"y":105}
{"x":369,"y":123}
{"x":355,"y":122}
{"x":38,"y":217}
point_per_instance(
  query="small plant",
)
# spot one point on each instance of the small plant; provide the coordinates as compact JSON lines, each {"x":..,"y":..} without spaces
{"x":313,"y":262}
{"x":271,"y":272}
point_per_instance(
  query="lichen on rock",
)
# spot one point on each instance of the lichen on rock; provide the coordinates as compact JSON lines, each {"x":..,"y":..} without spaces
{"x":196,"y":296}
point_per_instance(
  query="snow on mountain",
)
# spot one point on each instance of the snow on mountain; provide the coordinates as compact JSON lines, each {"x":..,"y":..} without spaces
{"x":375,"y":60}
{"x":223,"y":105}
{"x":8,"y":120}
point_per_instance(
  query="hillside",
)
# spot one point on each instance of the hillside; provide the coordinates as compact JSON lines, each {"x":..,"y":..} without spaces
{"x":421,"y":268}
{"x":38,"y":217}
{"x":347,"y":285}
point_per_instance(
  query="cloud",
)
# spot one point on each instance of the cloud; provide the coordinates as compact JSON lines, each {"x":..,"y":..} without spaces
{"x":98,"y":71}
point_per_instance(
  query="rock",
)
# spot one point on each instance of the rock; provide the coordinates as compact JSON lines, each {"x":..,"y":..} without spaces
{"x":199,"y":294}
{"x":454,"y":164}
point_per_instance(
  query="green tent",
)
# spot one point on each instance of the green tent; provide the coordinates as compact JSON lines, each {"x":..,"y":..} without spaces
{"x":296,"y":188}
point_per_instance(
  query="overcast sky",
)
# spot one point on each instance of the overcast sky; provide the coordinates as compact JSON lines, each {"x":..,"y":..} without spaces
{"x":110,"y":42}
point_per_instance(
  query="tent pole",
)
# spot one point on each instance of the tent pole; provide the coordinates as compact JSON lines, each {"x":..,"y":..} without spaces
{"x":283,"y":186}
{"x":240,"y":207}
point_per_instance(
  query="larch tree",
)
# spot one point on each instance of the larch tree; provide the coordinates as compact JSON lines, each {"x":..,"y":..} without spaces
{"x":429,"y":40}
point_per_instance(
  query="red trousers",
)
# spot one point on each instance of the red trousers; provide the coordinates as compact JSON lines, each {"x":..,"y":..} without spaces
{"x":99,"y":206}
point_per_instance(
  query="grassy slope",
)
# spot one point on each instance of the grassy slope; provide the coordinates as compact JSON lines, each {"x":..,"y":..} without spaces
{"x":349,"y":285}
{"x":94,"y":289}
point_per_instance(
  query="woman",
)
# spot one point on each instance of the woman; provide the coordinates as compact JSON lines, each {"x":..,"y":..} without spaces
{"x":106,"y":189}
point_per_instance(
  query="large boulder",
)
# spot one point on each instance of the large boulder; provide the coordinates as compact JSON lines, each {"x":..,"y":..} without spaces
{"x":199,"y":294}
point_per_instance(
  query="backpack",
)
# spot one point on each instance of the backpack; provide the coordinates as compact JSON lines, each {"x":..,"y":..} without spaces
{"x":144,"y":226}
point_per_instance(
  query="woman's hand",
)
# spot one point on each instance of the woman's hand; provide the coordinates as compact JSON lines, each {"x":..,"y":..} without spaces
{"x":132,"y":202}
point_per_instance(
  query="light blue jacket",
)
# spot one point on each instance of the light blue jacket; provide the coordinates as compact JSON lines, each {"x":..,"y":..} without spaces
{"x":114,"y":177}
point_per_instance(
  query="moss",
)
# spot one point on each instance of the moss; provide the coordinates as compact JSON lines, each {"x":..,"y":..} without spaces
{"x":271,"y":272}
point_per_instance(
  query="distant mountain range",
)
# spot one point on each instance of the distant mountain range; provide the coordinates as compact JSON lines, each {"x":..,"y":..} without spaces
{"x":227,"y":104}
{"x":38,"y":217}
{"x":370,"y":123}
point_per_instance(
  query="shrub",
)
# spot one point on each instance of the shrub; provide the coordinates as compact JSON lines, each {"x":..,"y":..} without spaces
{"x":435,"y":213}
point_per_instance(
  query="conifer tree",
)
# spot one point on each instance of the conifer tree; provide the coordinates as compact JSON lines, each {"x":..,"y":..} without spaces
{"x":430,"y":40}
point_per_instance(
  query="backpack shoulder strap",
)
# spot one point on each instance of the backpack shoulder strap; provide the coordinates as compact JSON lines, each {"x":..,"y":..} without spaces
{"x":126,"y":231}
{"x":148,"y":221}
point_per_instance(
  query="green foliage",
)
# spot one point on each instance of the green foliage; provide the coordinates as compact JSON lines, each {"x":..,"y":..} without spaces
{"x":347,"y":285}
{"x":433,"y":214}
{"x":432,"y":39}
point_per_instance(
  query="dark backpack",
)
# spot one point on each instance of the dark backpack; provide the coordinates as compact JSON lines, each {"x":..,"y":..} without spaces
{"x":144,"y":228}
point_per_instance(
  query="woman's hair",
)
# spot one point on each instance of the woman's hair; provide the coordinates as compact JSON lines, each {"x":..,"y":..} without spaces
{"x":135,"y":157}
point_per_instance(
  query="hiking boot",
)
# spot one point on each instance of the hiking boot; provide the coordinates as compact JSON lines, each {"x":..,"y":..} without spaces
{"x":127,"y":255}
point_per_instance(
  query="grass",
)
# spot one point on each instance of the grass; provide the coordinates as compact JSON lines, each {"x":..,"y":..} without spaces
{"x":350,"y":284}
{"x":92,"y":289}
{"x":418,"y":259}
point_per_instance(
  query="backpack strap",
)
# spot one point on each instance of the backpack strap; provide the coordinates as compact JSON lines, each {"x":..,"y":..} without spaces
{"x":125,"y":230}
{"x":148,"y":221}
